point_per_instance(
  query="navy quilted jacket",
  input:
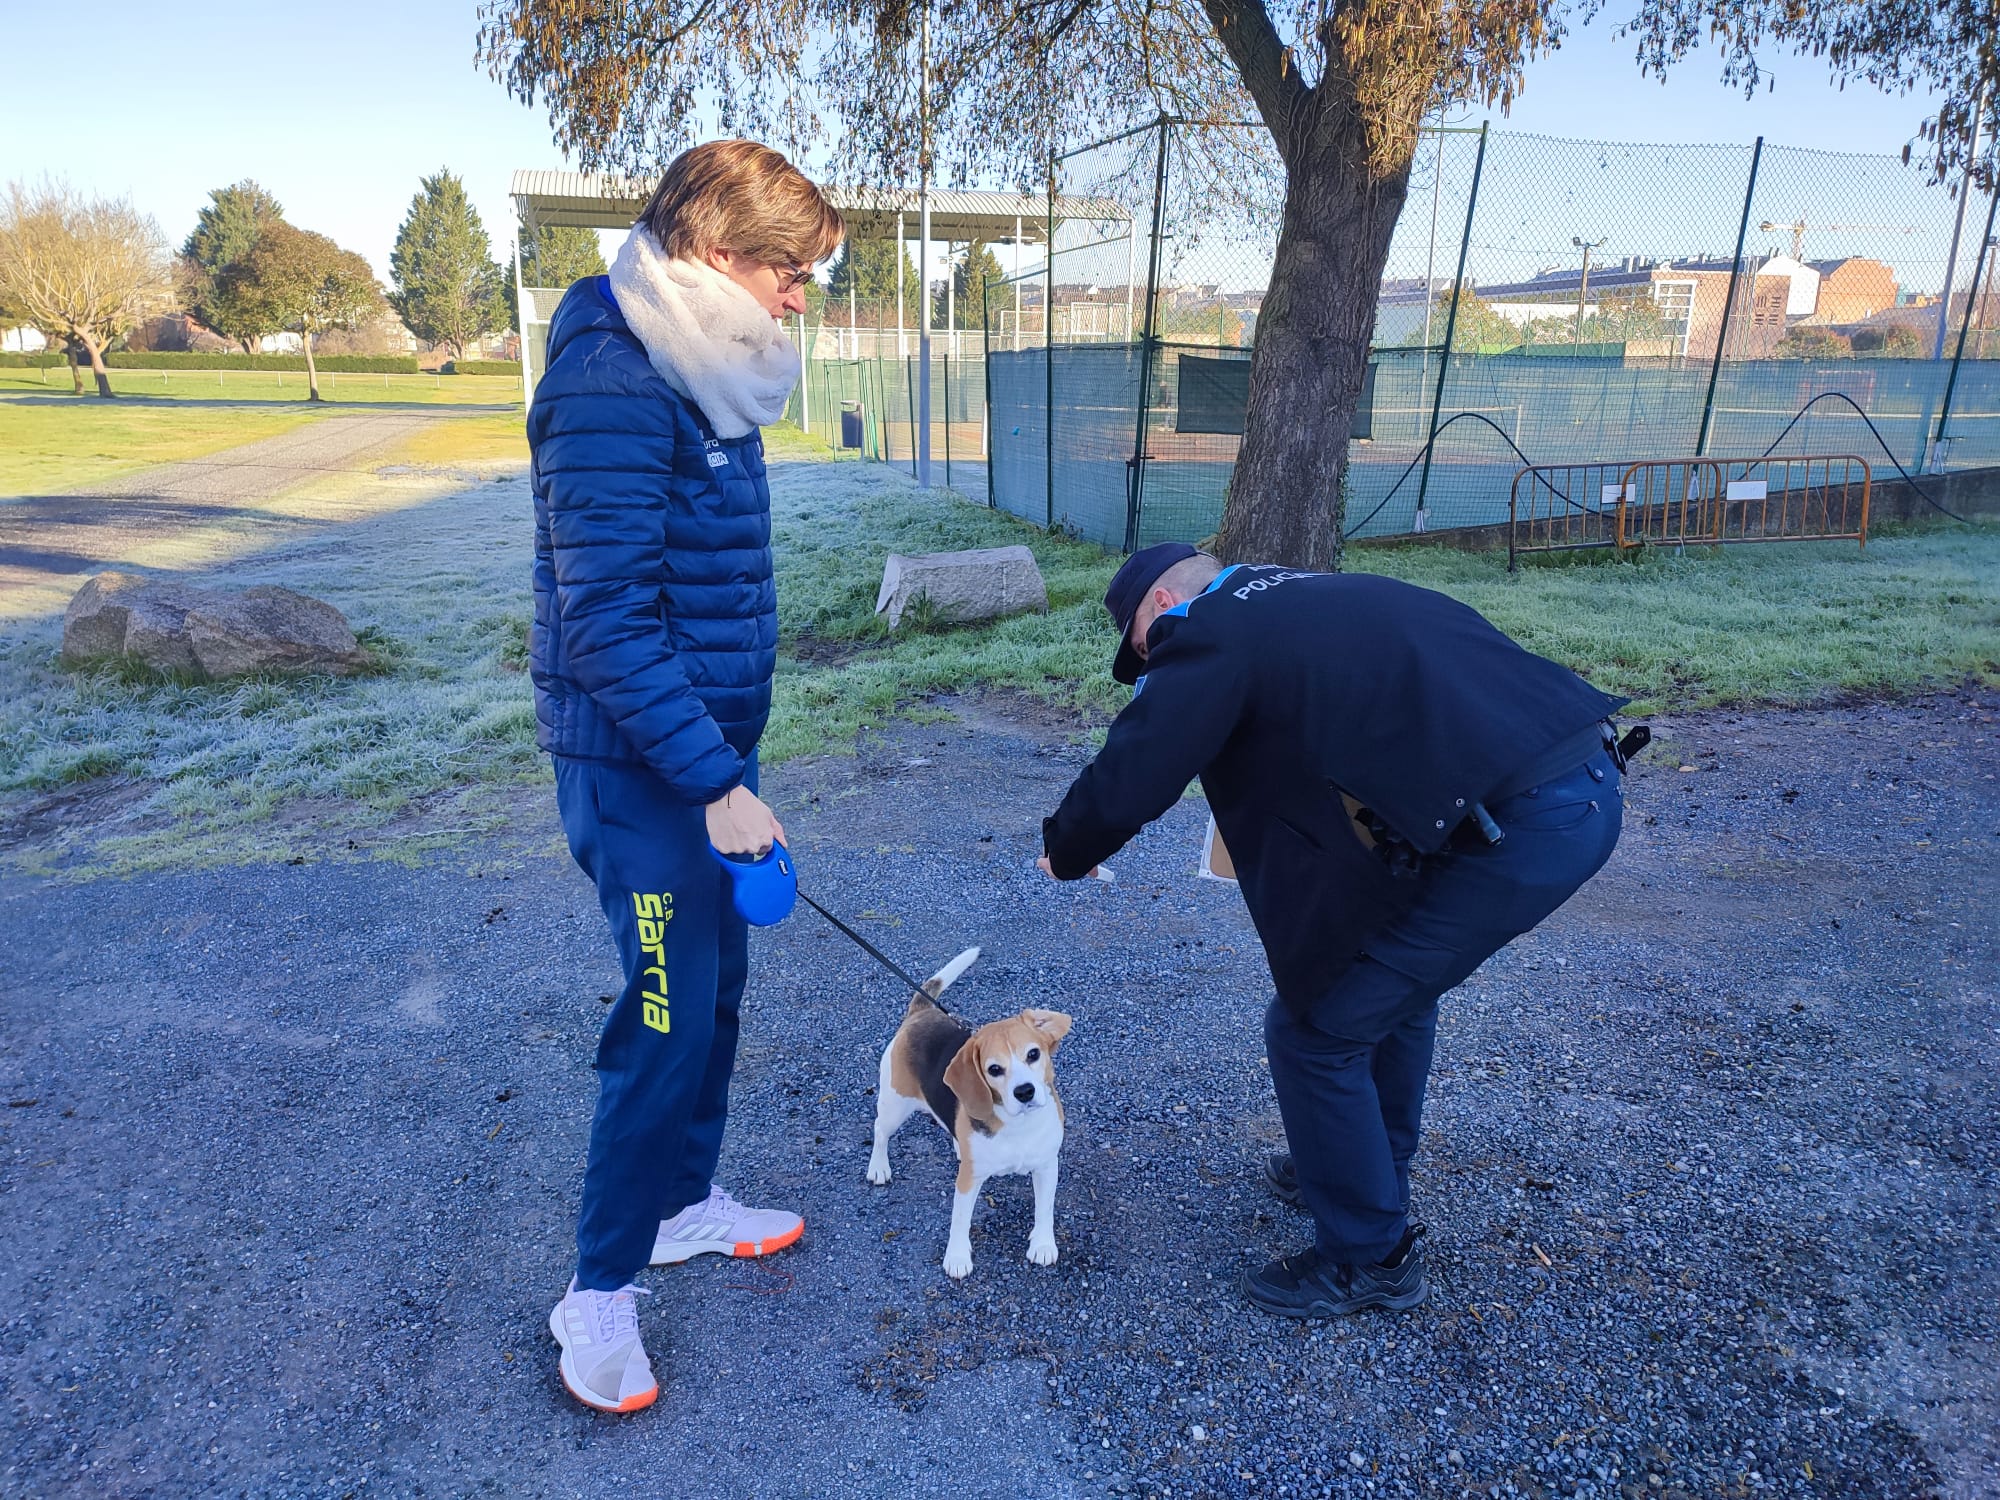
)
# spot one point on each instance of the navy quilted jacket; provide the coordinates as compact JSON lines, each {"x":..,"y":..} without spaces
{"x":656,"y":619}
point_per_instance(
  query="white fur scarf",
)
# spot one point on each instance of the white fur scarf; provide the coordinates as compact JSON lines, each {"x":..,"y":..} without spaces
{"x":706,"y":336}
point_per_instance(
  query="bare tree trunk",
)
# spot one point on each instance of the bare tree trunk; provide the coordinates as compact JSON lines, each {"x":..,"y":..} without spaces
{"x":69,"y":353}
{"x":312,"y":373}
{"x":103,"y":375}
{"x":1311,"y":351}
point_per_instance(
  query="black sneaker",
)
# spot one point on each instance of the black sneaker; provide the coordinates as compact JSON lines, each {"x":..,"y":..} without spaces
{"x":1283,"y":1177}
{"x":1308,"y":1285}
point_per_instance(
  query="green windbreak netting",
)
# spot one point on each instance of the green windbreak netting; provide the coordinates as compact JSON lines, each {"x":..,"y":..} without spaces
{"x":1545,"y":301}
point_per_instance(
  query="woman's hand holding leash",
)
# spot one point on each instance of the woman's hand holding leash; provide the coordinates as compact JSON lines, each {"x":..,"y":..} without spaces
{"x":739,"y":823}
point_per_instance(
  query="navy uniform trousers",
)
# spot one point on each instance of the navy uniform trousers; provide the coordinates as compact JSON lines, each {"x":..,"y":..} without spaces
{"x":669,"y":1044}
{"x":1350,"y":1070}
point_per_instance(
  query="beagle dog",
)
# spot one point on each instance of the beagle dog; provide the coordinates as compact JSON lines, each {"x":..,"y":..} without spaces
{"x":993,"y":1090}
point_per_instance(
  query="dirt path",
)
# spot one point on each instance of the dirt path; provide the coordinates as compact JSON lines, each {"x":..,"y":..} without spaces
{"x":47,"y":541}
{"x":291,"y":1163}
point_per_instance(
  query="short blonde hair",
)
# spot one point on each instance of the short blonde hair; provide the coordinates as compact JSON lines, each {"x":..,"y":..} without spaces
{"x":745,"y":197}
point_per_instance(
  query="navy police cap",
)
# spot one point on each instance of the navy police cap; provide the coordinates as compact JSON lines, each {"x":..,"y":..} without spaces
{"x":1128,"y":591}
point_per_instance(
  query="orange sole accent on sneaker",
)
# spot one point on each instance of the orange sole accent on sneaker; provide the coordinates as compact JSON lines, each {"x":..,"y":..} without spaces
{"x":744,"y":1249}
{"x":631,"y":1403}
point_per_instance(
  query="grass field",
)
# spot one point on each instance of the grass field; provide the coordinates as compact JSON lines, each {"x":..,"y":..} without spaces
{"x":51,"y":440}
{"x":272,"y":385}
{"x":433,"y":569}
{"x":1779,"y":625}
{"x":46,"y":447}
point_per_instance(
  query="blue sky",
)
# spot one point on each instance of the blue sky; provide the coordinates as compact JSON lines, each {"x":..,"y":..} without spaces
{"x":339,"y":110}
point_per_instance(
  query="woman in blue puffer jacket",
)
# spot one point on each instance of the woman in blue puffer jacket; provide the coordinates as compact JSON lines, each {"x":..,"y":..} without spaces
{"x":655,"y":635}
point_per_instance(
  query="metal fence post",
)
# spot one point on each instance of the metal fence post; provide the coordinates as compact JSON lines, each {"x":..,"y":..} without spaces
{"x":1135,"y":479}
{"x":1728,"y":303}
{"x":1965,"y":323}
{"x":1450,"y":319}
{"x":986,"y":372}
{"x":1049,"y":348}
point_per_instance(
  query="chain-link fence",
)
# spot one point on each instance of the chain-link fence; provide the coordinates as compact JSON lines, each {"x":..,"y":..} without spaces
{"x":866,"y":406}
{"x":1544,"y":301}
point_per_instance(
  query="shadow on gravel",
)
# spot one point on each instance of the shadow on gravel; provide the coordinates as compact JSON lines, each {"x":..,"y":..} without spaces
{"x":293,"y":1155}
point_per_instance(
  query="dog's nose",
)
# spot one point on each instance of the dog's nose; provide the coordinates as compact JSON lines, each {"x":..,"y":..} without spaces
{"x":1024,"y":1092}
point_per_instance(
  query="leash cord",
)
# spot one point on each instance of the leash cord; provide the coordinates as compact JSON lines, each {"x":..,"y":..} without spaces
{"x":866,"y":947}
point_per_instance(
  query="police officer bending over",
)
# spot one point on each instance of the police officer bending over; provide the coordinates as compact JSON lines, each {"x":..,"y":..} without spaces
{"x":1403,"y":790}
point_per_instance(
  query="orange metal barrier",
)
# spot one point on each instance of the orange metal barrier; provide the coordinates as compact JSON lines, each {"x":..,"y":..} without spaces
{"x":1688,"y":501}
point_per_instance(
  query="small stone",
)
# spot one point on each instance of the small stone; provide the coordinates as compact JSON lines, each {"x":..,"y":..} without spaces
{"x":1357,"y":1460}
{"x":1454,"y":1458}
{"x":1198,"y":1432}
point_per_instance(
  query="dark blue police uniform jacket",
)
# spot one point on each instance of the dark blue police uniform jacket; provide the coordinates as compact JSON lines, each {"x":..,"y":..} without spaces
{"x":1283,"y":690}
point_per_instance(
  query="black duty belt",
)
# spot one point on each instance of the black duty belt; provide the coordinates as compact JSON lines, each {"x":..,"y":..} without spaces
{"x":1558,"y":760}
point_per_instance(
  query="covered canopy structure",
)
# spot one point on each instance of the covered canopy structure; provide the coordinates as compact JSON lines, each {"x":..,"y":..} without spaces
{"x":592,"y":200}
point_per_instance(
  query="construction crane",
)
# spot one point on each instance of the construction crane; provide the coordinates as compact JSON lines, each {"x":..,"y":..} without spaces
{"x":1798,"y":229}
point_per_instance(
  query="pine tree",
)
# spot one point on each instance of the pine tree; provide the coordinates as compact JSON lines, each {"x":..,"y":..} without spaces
{"x":449,"y":290}
{"x":871,"y":264}
{"x":558,"y":256}
{"x":226,"y":230}
{"x":972,"y":274}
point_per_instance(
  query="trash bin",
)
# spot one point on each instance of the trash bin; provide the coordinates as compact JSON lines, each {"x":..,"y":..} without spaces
{"x":850,"y":424}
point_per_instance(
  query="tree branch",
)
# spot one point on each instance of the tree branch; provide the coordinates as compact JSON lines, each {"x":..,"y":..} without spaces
{"x":1266,"y":64}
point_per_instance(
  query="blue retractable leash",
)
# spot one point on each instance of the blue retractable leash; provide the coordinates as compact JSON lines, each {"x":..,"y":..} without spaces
{"x":764,"y":889}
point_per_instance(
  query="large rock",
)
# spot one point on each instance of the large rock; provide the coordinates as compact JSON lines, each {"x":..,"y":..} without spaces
{"x":983,"y":584}
{"x":206,"y":633}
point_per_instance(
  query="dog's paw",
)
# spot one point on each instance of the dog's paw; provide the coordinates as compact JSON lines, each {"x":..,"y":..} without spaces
{"x":957,"y":1261}
{"x":1042,"y":1252}
{"x":878,"y":1170}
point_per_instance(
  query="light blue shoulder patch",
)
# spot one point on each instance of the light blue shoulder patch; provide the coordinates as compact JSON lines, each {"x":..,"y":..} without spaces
{"x":1181,"y":610}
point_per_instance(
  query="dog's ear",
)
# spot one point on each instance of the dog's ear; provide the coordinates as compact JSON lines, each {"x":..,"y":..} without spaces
{"x":1052,"y":1024}
{"x":965,"y":1078}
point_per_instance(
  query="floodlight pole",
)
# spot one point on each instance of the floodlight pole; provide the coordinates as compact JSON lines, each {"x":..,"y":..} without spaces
{"x":1980,"y":265}
{"x":924,"y":251}
{"x":1958,"y":224}
{"x":1450,"y":324}
{"x":1583,"y":291}
{"x":1728,"y":303}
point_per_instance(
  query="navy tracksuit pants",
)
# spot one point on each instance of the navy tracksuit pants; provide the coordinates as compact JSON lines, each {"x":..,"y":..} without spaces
{"x":1349,"y":1070}
{"x":669,"y":1044}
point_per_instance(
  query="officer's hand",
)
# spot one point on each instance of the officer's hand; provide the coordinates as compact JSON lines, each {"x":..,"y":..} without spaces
{"x":738,"y":823}
{"x":1047,"y":869}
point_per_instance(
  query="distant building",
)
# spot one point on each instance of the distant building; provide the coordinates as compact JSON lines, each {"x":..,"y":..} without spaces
{"x":1851,"y":290}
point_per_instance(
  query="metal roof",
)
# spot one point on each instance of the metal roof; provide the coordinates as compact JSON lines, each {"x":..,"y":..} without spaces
{"x":596,"y":200}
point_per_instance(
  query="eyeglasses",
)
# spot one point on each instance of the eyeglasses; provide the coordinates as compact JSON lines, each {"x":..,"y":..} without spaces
{"x":790,"y":280}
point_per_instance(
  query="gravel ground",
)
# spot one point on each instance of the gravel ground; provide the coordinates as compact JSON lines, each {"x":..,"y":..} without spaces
{"x":293,"y":1152}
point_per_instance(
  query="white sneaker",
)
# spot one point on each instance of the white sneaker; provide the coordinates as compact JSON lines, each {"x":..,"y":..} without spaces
{"x":603,"y":1363}
{"x":725,"y":1227}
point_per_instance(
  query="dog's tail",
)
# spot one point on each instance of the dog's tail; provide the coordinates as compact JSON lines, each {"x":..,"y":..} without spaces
{"x":941,"y":981}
